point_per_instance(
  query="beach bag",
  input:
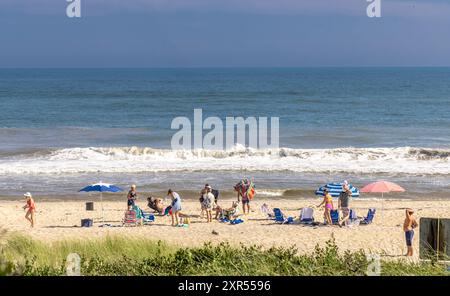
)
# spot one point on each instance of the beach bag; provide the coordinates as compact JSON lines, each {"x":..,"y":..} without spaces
{"x":86,"y":222}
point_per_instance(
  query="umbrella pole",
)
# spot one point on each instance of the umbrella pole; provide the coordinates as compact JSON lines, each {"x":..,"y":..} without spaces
{"x":101,"y":202}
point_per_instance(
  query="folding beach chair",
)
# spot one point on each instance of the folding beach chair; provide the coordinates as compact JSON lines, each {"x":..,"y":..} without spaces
{"x":307,"y":216}
{"x":368,"y":220}
{"x":334,"y":216}
{"x":130,"y":218}
{"x":353,"y":216}
{"x":148,"y":218}
{"x":281,"y":218}
{"x":145,"y":217}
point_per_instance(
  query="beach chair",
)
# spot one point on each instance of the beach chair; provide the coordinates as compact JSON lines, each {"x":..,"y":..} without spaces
{"x":334,"y":216}
{"x":307,"y":216}
{"x":266,"y":210}
{"x":353,"y":216}
{"x":147,"y":218}
{"x":281,"y":218}
{"x":130,"y":218}
{"x":144,"y":217}
{"x":369,"y":218}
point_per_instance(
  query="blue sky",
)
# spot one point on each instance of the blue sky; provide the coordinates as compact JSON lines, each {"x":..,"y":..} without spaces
{"x":224,"y":33}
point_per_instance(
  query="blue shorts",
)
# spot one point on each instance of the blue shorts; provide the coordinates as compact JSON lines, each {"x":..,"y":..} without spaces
{"x":245,"y":201}
{"x":409,"y":235}
{"x":130,"y":202}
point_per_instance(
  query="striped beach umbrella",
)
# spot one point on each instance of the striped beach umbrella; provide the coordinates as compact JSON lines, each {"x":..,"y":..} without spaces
{"x":336,"y":188}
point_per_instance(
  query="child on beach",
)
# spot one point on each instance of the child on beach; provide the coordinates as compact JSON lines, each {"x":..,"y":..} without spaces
{"x":408,"y":227}
{"x":176,"y":206}
{"x":131,"y":197}
{"x":208,"y":203}
{"x":31,"y":208}
{"x":244,"y":199}
{"x":328,"y":202}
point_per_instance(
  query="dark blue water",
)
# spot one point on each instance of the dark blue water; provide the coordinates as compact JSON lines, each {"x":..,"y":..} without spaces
{"x":50,"y":120}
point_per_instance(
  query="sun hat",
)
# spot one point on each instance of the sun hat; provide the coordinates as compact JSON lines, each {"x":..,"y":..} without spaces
{"x":27,"y":194}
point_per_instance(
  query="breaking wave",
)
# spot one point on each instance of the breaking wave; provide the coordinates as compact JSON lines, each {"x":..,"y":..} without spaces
{"x":401,"y":160}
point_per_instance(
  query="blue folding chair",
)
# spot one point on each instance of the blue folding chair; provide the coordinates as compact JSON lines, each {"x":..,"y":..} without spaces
{"x":353,"y":216}
{"x":281,"y":218}
{"x":334,"y":216}
{"x":369,"y":218}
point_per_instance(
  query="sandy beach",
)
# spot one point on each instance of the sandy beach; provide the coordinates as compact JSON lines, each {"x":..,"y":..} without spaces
{"x":59,"y":220}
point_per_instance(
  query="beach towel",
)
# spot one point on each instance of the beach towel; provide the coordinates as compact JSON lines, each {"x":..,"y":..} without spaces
{"x":167,"y":210}
{"x":236,"y":221}
{"x":246,"y":188}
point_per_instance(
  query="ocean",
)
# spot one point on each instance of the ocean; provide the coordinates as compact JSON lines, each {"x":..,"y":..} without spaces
{"x":61,"y":129}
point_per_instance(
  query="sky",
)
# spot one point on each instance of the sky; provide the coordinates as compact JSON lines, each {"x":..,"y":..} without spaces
{"x":224,"y":33}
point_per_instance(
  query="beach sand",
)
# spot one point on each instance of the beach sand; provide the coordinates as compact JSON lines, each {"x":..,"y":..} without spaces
{"x":59,"y":220}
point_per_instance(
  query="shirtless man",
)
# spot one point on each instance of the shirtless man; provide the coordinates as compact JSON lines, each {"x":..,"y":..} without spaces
{"x":408,"y":227}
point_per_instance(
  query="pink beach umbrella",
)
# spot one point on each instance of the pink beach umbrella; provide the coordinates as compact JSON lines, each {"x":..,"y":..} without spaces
{"x":382,"y":187}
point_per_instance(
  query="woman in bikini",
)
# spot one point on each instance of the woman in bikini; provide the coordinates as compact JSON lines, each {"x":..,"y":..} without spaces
{"x":328,"y":201}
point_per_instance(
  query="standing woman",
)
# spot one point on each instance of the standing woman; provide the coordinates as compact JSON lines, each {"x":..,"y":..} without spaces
{"x":328,"y":202}
{"x":31,"y":208}
{"x":176,"y":206}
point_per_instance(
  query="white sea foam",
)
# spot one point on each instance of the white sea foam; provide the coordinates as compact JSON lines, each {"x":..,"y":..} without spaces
{"x":402,"y":160}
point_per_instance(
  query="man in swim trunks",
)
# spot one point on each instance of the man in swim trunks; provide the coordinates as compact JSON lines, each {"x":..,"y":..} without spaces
{"x":344,"y":204}
{"x":408,"y":227}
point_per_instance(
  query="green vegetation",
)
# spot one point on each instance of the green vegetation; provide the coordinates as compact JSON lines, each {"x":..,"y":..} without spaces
{"x":122,"y":256}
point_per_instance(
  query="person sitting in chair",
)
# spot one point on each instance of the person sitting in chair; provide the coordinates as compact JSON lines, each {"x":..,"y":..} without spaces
{"x":155,"y":204}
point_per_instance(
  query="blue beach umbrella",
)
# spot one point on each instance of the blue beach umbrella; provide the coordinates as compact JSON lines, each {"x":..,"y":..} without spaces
{"x":336,"y":188}
{"x":101,"y":187}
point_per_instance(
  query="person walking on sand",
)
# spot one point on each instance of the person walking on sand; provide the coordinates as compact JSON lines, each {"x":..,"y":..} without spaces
{"x":344,"y":203}
{"x":131,"y":197}
{"x":176,"y":206}
{"x":328,"y":202}
{"x":31,"y":208}
{"x":408,"y":227}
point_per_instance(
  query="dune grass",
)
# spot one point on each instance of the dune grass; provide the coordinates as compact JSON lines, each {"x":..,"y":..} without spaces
{"x":124,"y":256}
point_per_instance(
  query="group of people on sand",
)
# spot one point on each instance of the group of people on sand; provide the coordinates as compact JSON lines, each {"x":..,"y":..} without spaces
{"x":155,"y":203}
{"x":344,"y":201}
{"x":208,"y":204}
